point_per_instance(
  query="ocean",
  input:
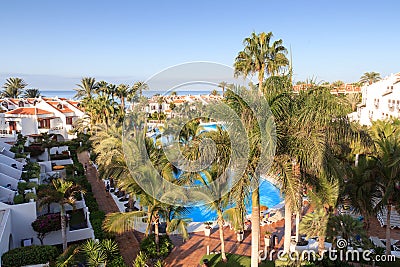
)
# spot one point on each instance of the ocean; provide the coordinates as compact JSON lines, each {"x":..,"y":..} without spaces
{"x":70,"y":93}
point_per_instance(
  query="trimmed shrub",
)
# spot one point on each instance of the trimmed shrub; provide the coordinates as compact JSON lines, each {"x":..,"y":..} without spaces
{"x":29,"y":256}
{"x":19,"y":199}
{"x":148,"y":246}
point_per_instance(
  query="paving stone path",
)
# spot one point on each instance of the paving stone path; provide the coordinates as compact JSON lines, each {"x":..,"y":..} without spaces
{"x":128,"y":243}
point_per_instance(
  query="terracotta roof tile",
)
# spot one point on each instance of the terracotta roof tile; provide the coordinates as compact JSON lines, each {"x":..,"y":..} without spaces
{"x":29,"y":111}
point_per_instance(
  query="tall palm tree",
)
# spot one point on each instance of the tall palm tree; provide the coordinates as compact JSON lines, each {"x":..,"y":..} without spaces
{"x":259,"y":56}
{"x":13,"y":87}
{"x":32,"y":93}
{"x":87,"y":87}
{"x":140,"y":86}
{"x":251,"y":175}
{"x":370,"y":77}
{"x":360,"y":188}
{"x":102,"y":88}
{"x":122,"y":92}
{"x":386,"y":169}
{"x":65,"y":194}
{"x":223,"y":85}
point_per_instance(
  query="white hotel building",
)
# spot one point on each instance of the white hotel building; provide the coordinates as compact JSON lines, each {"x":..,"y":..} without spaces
{"x":33,"y":116}
{"x":380,"y":101}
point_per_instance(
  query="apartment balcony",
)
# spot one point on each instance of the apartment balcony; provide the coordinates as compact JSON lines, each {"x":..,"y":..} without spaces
{"x":56,"y":130}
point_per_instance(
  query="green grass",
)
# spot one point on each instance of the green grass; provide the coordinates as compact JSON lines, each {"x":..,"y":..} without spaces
{"x":233,"y":261}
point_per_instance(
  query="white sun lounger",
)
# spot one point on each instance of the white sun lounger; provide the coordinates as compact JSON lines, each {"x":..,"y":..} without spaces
{"x":394,"y":218}
{"x":377,"y":242}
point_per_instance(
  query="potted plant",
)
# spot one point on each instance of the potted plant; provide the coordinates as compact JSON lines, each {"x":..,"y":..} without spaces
{"x":267,"y":238}
{"x":207,"y":228}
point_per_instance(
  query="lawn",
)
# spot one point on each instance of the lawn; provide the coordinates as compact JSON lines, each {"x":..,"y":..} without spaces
{"x":233,"y":261}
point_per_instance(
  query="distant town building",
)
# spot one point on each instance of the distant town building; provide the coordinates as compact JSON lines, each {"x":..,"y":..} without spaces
{"x":346,"y":88}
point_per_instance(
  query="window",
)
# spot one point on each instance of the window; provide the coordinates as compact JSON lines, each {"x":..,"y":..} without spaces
{"x":69,"y":120}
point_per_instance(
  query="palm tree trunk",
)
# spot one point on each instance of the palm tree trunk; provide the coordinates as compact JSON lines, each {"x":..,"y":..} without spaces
{"x":63,"y":228}
{"x":298,"y":218}
{"x":388,"y":244}
{"x":288,"y":226}
{"x":255,"y":227}
{"x":221,"y":235}
{"x":321,"y":245}
{"x":261,"y":79}
{"x":148,"y":229}
{"x":123,"y":103}
{"x":156,"y":234}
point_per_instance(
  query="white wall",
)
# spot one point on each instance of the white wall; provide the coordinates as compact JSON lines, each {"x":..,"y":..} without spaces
{"x":5,"y":180}
{"x":29,"y":125}
{"x":22,"y":216}
{"x":6,"y":195}
{"x":6,"y":231}
{"x":9,"y":161}
{"x":10,"y":171}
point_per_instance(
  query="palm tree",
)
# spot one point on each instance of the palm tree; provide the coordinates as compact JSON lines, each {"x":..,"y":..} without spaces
{"x":122,"y":92}
{"x":32,"y":93}
{"x":360,"y":189}
{"x":214,"y":92}
{"x":140,"y":86}
{"x":13,"y":87}
{"x":353,"y":100}
{"x":66,"y":194}
{"x":346,"y":227}
{"x":223,"y":85}
{"x":316,"y":223}
{"x":102,"y":88}
{"x":370,"y":77}
{"x":87,"y":87}
{"x":100,"y":253}
{"x":260,"y":56}
{"x":386,"y":169}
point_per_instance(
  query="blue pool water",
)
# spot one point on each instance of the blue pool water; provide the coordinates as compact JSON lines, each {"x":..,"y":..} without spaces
{"x":269,"y":196}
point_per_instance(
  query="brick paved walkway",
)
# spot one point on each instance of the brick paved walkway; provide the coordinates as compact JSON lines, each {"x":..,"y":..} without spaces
{"x":128,"y":243}
{"x":189,"y":254}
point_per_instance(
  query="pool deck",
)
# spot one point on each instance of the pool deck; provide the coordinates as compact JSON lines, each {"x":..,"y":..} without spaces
{"x":189,"y":253}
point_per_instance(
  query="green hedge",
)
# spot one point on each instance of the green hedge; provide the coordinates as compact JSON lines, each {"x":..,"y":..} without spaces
{"x":148,"y":246}
{"x":29,"y":256}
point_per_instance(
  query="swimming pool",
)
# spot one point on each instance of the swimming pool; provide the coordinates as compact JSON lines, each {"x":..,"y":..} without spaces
{"x":269,"y":193}
{"x":269,"y":196}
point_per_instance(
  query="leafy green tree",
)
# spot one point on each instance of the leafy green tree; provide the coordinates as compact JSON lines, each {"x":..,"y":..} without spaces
{"x":13,"y":87}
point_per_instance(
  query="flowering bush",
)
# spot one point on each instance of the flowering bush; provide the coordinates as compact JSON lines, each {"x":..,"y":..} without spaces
{"x":45,"y":224}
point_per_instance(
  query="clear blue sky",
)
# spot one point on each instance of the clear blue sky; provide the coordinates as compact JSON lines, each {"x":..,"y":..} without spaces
{"x":51,"y":44}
